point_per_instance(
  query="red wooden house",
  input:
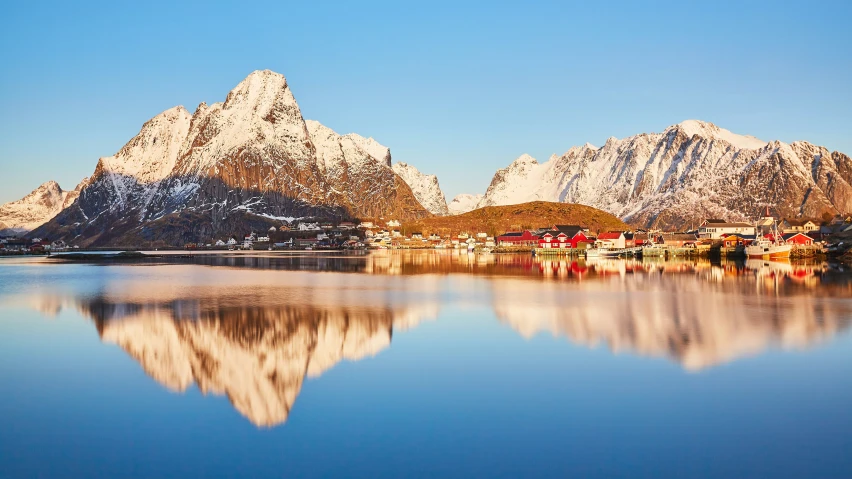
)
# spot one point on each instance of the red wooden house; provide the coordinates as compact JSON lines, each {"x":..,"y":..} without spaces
{"x":549,"y":240}
{"x":518,"y":238}
{"x":798,"y":239}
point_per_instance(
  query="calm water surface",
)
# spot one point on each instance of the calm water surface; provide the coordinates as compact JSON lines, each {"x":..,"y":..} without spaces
{"x":424,"y":364}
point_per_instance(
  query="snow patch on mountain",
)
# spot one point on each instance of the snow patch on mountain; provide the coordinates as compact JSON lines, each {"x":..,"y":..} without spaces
{"x":708,"y":130}
{"x":464,"y":202}
{"x":425,"y":187}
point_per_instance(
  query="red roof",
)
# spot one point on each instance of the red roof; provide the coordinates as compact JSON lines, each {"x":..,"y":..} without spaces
{"x":609,"y":236}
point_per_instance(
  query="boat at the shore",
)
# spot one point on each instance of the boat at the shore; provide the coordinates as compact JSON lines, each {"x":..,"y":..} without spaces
{"x":765,"y":248}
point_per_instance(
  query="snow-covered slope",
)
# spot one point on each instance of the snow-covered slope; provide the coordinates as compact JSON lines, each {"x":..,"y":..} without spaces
{"x":425,"y":187}
{"x":464,"y":202}
{"x":35,"y":209}
{"x":186,"y":177}
{"x":689,"y":172}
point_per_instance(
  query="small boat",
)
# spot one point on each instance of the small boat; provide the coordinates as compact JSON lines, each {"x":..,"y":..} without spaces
{"x":596,"y":252}
{"x":769,"y":249}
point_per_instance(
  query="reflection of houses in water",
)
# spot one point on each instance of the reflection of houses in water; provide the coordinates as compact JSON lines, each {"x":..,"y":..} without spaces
{"x":254,"y":335}
{"x":678,"y":316}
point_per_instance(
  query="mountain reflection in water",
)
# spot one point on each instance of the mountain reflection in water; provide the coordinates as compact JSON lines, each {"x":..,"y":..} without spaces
{"x":255,"y":335}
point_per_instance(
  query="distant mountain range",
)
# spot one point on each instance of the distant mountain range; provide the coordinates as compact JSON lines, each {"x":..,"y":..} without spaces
{"x":253,"y":160}
{"x":689,"y":172}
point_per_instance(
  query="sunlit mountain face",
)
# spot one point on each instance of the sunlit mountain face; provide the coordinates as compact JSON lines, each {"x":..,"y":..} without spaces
{"x":255,"y":329}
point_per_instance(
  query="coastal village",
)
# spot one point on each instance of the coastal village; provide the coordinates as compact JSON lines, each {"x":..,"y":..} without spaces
{"x":712,"y":237}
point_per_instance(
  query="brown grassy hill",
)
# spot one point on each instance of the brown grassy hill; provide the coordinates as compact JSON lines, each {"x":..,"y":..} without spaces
{"x":496,"y":220}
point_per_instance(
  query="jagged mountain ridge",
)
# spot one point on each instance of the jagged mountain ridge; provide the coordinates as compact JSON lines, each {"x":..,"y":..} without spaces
{"x":425,"y":187}
{"x":690,"y":171}
{"x":38,"y":207}
{"x":250,"y":159}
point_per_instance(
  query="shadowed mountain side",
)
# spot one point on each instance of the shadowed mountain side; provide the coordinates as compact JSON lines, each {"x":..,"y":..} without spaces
{"x":97,"y":219}
{"x":694,"y":322}
{"x":496,"y":220}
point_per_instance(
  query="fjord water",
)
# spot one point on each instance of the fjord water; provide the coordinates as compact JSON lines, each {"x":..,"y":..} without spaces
{"x":424,"y":364}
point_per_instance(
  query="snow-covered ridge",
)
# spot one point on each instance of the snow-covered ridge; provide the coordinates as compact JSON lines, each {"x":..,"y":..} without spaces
{"x":35,"y":209}
{"x":690,"y":171}
{"x":425,"y":188}
{"x":708,"y":130}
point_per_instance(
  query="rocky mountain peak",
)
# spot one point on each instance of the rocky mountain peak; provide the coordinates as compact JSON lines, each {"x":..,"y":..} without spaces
{"x":260,"y":89}
{"x":707,"y":130}
{"x":425,"y":187}
{"x":34,"y":209}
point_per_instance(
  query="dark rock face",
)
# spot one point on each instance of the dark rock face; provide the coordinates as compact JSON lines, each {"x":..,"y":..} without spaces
{"x":248,"y":160}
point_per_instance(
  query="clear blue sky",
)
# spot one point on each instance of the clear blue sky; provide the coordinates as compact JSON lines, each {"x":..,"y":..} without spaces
{"x":458,"y":91}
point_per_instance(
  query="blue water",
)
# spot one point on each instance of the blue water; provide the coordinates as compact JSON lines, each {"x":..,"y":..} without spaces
{"x":139,"y":370}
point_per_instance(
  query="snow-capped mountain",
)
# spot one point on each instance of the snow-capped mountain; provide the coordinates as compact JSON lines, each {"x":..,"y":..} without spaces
{"x":253,"y":158}
{"x":464,"y":202}
{"x":35,"y":209}
{"x":425,"y":187}
{"x":690,"y":171}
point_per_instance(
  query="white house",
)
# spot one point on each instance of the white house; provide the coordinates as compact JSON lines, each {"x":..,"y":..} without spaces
{"x":393,"y":224}
{"x":614,"y":239}
{"x":263,"y":239}
{"x":716,"y":229}
{"x":232,"y":241}
{"x":220,"y":243}
{"x":309,"y":227}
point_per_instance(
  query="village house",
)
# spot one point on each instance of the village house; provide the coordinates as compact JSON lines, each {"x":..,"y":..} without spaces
{"x":518,"y":238}
{"x":305,"y":242}
{"x":549,"y":240}
{"x":716,"y":229}
{"x":58,"y":245}
{"x":840,"y":220}
{"x":305,"y":226}
{"x":417,"y":236}
{"x":263,"y":239}
{"x":611,"y":239}
{"x":798,"y":226}
{"x":346,"y":225}
{"x":366,"y":225}
{"x":219,"y":243}
{"x":679,"y":239}
{"x":731,"y":241}
{"x":798,"y":239}
{"x":434,"y":237}
{"x":393,"y":224}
